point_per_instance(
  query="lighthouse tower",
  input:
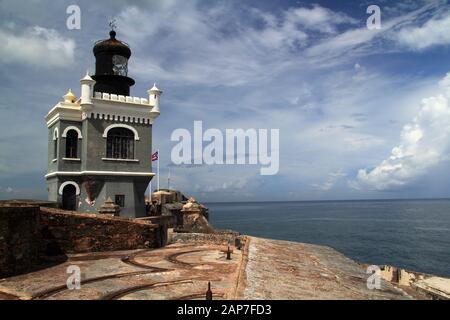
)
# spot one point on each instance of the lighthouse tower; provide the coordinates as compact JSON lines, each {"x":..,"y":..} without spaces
{"x":100,"y":145}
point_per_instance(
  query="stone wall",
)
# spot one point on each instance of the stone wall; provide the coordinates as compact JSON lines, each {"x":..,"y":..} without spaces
{"x":19,"y":234}
{"x":219,"y":237}
{"x":70,"y":232}
{"x":30,"y":232}
{"x":398,"y":275}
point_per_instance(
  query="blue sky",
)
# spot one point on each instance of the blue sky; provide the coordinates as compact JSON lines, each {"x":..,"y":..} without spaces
{"x":362,"y":113}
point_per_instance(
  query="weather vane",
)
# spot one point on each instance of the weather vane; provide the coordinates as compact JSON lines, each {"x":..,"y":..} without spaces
{"x":112,"y":24}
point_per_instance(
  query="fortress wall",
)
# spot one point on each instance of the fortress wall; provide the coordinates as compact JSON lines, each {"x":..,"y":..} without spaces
{"x":72,"y":232}
{"x":218,"y":238}
{"x":19,"y":234}
{"x":30,"y":232}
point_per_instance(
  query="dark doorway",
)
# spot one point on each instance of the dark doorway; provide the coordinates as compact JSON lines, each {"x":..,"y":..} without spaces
{"x":69,"y":197}
{"x":120,"y":200}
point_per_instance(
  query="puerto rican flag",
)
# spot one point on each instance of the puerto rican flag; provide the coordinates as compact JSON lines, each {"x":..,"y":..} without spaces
{"x":155,"y":156}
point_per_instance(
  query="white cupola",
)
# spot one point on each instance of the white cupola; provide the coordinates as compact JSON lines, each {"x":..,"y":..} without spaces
{"x":87,"y":90}
{"x":153,"y":97}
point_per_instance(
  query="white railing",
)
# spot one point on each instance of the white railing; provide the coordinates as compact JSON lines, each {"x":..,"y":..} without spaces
{"x":120,"y":98}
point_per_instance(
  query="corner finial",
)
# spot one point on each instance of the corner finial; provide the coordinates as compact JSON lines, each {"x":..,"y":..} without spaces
{"x":112,"y":24}
{"x":87,"y":77}
{"x":69,"y":97}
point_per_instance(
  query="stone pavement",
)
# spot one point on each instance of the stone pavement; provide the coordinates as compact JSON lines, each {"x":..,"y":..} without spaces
{"x":263,"y":269}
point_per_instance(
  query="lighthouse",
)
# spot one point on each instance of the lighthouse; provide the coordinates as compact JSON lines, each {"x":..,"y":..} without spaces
{"x":100,"y":144}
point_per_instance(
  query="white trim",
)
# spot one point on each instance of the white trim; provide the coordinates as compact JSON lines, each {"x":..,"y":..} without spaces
{"x":63,"y":112}
{"x":126,"y":160}
{"x":64,"y":135}
{"x":52,"y":121}
{"x":118,"y":125}
{"x":120,"y":98}
{"x":71,"y":159}
{"x":54,"y":160}
{"x":99,"y":173}
{"x":55,"y":134}
{"x":61,"y":187}
{"x":60,"y":116}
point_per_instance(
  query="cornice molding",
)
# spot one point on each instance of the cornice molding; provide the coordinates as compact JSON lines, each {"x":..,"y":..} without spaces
{"x":112,"y":110}
{"x":99,"y":173}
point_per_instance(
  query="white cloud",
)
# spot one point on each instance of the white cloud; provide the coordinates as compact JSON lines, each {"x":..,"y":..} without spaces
{"x":231,"y":184}
{"x":302,"y":70}
{"x":36,"y":46}
{"x":433,"y":32}
{"x":330,"y":182}
{"x":318,"y":18}
{"x":216,"y":46}
{"x":362,"y":41}
{"x":424,"y":143}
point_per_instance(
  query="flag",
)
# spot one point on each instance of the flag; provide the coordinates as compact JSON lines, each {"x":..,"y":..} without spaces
{"x":155,"y":156}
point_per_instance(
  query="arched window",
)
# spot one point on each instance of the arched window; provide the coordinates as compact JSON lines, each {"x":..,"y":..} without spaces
{"x":71,"y":144}
{"x":55,"y":144}
{"x":55,"y":148}
{"x":120,"y":144}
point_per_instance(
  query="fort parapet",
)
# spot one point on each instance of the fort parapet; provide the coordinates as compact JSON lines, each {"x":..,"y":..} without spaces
{"x":234,"y":266}
{"x":30,"y":232}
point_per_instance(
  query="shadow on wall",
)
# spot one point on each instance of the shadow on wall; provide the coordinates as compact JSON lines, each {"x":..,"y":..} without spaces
{"x":21,"y":248}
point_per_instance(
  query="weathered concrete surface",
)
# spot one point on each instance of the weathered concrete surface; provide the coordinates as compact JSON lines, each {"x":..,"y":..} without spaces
{"x":263,"y":269}
{"x":289,"y":270}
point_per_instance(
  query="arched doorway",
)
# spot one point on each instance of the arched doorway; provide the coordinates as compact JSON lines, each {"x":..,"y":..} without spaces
{"x":69,"y":197}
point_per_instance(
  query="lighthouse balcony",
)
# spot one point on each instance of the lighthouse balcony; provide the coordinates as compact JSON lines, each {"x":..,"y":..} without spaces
{"x":121,"y":98}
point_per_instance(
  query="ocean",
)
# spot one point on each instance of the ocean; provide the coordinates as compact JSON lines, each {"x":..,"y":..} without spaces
{"x":411,"y":234}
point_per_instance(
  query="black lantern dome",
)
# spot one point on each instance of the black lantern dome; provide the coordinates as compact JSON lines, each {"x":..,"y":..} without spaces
{"x":111,"y":66}
{"x":112,"y":44}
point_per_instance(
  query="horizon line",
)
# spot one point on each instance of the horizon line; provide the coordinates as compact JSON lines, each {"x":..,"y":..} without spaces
{"x":336,"y":200}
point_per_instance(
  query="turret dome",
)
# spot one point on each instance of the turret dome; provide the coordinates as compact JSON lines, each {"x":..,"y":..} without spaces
{"x":112,"y":45}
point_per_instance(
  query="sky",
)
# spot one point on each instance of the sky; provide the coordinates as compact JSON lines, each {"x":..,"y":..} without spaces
{"x":362,"y":113}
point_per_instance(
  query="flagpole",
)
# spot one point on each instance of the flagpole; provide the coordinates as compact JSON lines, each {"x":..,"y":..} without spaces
{"x":150,"y":192}
{"x":158,"y":171}
{"x":168,"y":180}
